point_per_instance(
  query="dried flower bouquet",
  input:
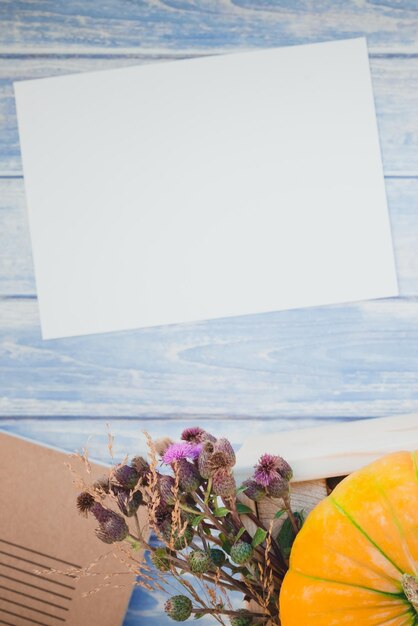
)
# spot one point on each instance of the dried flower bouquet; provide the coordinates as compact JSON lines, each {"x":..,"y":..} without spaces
{"x":211,"y":542}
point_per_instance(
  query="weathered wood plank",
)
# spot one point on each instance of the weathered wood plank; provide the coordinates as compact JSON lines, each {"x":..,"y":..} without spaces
{"x":78,"y":26}
{"x":395,"y":82}
{"x":334,"y":362}
{"x":16,"y":267}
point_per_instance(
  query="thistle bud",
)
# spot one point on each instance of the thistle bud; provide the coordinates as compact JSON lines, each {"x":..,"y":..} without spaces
{"x":160,"y":559}
{"x":253,"y":490}
{"x":218,"y":557}
{"x":113,"y":528}
{"x":204,"y":460}
{"x":179,"y":608}
{"x":126,"y":476}
{"x":102,"y":485}
{"x":278,"y":488}
{"x":199,"y":561}
{"x":241,"y":552}
{"x":223,"y":454}
{"x":189,"y":478}
{"x":223,"y":483}
{"x":129,"y":504}
{"x":142,"y":467}
{"x":196,"y":435}
{"x":166,"y":485}
{"x":162,"y":444}
{"x":284,"y":469}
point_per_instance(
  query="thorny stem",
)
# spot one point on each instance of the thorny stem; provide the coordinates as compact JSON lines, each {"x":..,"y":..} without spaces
{"x":290,"y":514}
{"x":223,"y":612}
{"x":139,"y":532}
{"x":187,"y":509}
{"x":208,"y":490}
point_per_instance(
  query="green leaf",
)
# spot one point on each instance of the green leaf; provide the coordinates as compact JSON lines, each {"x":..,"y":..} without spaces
{"x":196,"y":521}
{"x":286,"y":534}
{"x":240,"y":533}
{"x":259,"y":537}
{"x":243,"y":509}
{"x":241,"y":489}
{"x":221,"y":511}
{"x":280,"y":513}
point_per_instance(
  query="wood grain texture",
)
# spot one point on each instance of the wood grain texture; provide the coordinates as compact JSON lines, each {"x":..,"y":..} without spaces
{"x":328,"y":362}
{"x":198,"y":25}
{"x":395,"y":84}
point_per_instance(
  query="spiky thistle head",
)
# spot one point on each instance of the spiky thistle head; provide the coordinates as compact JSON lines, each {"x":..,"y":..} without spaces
{"x":183,"y":450}
{"x":179,"y":608}
{"x":113,"y":528}
{"x":166,"y":487}
{"x":199,"y":561}
{"x":194,"y":434}
{"x":189,"y":477}
{"x":253,"y":490}
{"x":126,"y":476}
{"x":223,"y":454}
{"x":85,"y":502}
{"x":270,"y":468}
{"x":223,"y":483}
{"x":241,"y":552}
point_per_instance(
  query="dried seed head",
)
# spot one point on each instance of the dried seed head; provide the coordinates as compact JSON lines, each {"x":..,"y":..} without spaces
{"x":224,"y":483}
{"x":223,"y":454}
{"x":204,"y":460}
{"x":179,"y":608}
{"x":196,"y":435}
{"x":102,"y":485}
{"x":253,"y":490}
{"x":162,"y":444}
{"x":85,"y":501}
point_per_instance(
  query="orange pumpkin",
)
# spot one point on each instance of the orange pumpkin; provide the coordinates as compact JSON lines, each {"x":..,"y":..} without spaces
{"x":355,"y":561}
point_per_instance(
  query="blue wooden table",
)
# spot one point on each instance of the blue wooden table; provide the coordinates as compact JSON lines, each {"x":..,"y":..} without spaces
{"x":255,"y":373}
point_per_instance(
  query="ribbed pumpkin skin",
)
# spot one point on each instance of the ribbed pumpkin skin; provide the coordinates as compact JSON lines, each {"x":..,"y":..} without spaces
{"x":347,"y":561}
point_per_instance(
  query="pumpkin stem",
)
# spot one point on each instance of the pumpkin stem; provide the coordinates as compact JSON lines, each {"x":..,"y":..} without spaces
{"x":410,"y":589}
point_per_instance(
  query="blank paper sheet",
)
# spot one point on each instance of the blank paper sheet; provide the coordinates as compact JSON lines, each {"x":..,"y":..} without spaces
{"x":204,"y":188}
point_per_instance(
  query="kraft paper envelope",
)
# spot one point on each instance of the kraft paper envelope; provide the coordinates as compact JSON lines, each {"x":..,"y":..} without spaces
{"x":40,"y":529}
{"x":205,"y":188}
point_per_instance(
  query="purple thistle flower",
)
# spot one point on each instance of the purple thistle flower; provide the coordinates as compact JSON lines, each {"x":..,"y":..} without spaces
{"x":270,"y":468}
{"x":183,"y":450}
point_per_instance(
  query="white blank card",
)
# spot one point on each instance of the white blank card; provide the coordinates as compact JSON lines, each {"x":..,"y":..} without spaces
{"x":205,"y":188}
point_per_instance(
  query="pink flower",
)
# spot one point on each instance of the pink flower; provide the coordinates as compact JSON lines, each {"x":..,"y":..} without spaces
{"x":184,"y":450}
{"x":270,"y":468}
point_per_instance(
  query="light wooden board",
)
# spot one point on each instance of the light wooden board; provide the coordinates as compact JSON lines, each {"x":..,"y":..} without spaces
{"x":115,"y":25}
